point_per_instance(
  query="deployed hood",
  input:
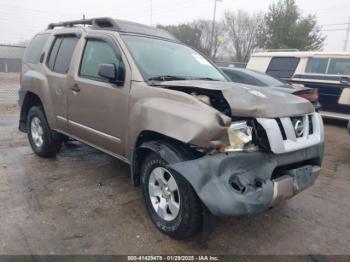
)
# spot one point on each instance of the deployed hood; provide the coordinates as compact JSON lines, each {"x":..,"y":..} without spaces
{"x":250,"y":101}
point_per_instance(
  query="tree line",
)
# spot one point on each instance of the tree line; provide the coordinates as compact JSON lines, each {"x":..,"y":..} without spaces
{"x":239,"y":33}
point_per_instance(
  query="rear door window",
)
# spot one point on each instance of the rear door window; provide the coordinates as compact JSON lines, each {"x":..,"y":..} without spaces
{"x":61,"y":53}
{"x":283,"y":67}
{"x":35,"y":48}
{"x":53,"y":54}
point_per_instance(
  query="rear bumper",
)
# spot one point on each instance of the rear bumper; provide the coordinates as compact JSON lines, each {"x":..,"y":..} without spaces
{"x":248,"y":183}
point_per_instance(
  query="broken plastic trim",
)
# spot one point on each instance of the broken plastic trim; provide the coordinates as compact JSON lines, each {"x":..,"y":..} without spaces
{"x":240,"y":183}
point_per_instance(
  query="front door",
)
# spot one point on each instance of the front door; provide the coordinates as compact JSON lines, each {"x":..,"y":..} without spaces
{"x":98,"y":108}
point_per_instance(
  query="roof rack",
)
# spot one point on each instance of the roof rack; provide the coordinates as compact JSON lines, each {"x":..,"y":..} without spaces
{"x":106,"y":23}
{"x":98,"y":23}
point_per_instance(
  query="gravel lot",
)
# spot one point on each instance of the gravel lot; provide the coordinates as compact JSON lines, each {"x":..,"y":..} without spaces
{"x":9,"y":87}
{"x":82,"y":202}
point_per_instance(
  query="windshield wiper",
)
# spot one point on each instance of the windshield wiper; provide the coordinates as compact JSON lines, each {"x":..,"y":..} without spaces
{"x":166,"y":78}
{"x":205,"y":78}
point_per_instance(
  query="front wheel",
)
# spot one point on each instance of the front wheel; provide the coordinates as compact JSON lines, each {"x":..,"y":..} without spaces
{"x":41,"y":137}
{"x":171,"y":202}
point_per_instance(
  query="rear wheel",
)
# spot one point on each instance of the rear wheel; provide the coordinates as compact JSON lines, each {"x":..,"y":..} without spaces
{"x":171,"y":202}
{"x":41,"y":138}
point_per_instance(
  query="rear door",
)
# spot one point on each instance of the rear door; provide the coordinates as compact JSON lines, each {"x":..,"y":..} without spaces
{"x":97,"y":108}
{"x":57,"y":73}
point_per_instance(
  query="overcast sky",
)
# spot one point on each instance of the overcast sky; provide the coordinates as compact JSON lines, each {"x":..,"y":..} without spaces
{"x":20,"y":20}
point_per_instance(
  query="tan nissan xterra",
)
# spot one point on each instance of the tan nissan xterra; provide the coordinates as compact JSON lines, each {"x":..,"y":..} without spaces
{"x":194,"y":140}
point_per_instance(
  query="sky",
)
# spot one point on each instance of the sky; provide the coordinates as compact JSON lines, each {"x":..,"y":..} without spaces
{"x":20,"y":20}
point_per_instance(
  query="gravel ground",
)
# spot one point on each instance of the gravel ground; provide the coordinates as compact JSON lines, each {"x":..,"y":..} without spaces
{"x":82,"y":202}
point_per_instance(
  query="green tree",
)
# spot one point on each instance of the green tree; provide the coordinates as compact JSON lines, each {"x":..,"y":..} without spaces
{"x":284,"y":27}
{"x":197,"y":34}
{"x":186,"y":33}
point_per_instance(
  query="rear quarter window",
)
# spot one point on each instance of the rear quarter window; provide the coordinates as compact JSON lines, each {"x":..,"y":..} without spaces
{"x":283,"y":67}
{"x":35,"y":48}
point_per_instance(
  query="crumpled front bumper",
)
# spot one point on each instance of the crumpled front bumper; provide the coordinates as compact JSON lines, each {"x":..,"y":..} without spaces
{"x":243,"y":183}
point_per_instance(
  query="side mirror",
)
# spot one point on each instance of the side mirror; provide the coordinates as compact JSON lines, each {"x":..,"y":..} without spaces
{"x":108,"y":71}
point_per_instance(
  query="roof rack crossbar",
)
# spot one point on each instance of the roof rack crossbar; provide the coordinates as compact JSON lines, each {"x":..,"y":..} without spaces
{"x":99,"y":23}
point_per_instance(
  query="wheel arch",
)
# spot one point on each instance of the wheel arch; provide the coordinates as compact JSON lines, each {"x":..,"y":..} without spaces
{"x":170,"y":149}
{"x":30,"y":99}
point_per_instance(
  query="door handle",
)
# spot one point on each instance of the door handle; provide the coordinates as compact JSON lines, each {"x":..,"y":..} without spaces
{"x":75,"y":88}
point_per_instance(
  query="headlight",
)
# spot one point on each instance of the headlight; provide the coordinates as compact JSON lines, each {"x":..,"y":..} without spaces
{"x":240,"y":137}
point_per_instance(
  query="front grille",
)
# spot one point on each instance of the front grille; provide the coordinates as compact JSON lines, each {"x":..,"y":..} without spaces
{"x":291,"y":134}
{"x":298,"y":125}
{"x":283,"y":132}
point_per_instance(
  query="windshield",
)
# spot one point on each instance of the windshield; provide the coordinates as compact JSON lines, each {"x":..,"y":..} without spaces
{"x":157,"y":58}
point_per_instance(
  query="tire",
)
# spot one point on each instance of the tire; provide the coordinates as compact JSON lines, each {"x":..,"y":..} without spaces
{"x":41,"y":138}
{"x":184,"y":223}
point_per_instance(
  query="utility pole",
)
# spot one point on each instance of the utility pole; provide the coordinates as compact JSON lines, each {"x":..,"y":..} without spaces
{"x":213,"y":29}
{"x":84,"y":18}
{"x":151,"y":12}
{"x":347,"y":37}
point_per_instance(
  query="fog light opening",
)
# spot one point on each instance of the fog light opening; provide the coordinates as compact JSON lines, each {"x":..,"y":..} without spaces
{"x":237,"y":187}
{"x":258,"y":182}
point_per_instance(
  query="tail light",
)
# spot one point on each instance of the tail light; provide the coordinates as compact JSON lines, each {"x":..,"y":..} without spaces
{"x":310,"y":94}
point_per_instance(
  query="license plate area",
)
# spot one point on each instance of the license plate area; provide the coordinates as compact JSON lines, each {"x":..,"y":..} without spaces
{"x":303,"y":178}
{"x":292,"y":182}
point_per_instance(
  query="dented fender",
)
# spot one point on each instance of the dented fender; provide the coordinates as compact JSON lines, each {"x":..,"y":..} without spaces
{"x":176,"y":115}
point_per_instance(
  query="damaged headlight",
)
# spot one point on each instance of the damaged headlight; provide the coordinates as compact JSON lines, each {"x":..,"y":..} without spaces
{"x":240,"y":137}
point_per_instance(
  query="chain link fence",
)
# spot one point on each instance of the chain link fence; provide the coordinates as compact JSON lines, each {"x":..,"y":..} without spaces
{"x":10,"y":66}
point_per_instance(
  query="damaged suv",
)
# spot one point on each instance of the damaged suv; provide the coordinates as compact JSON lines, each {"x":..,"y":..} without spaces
{"x":194,"y":140}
